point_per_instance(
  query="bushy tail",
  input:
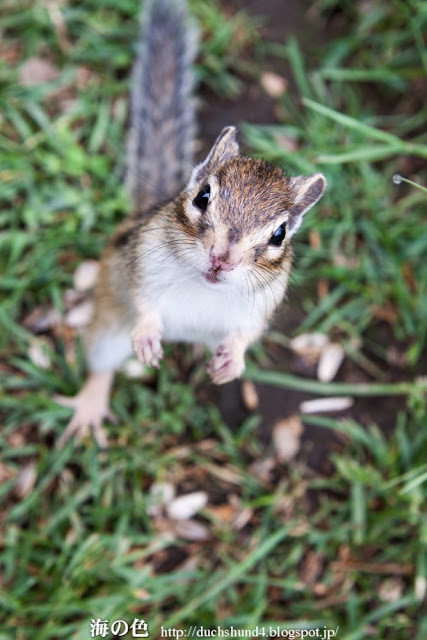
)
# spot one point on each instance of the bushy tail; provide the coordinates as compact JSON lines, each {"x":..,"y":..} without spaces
{"x":162,"y":122}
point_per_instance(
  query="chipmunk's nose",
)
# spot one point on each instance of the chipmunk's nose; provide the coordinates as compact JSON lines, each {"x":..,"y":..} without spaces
{"x":223,"y":261}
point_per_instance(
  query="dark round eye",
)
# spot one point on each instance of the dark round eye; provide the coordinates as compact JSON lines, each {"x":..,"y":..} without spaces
{"x":202,"y":199}
{"x":278,"y":236}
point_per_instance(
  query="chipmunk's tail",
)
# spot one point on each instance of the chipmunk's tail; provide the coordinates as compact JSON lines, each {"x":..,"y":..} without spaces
{"x":162,"y":121}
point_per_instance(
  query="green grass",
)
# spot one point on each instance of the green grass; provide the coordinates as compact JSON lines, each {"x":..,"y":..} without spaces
{"x":312,"y":550}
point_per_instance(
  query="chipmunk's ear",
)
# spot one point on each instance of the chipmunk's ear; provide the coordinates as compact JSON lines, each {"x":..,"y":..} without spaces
{"x":307,"y":190}
{"x":224,"y":148}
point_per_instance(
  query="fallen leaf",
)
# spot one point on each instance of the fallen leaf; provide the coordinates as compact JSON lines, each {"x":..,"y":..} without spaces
{"x":386,"y":312}
{"x":309,"y":346}
{"x":420,"y":588}
{"x":10,"y":52}
{"x":322,"y":288}
{"x":57,"y":18}
{"x":315,"y":240}
{"x":186,"y":506}
{"x":85,"y":275}
{"x":312,"y":567}
{"x":26,"y":481}
{"x":80,"y":315}
{"x":273,"y":84}
{"x":287,"y":438}
{"x":242,"y":518}
{"x":322,"y":405}
{"x":263,"y":469}
{"x":286,"y":142}
{"x":307,"y":340}
{"x":250,"y":395}
{"x":227,"y":474}
{"x":161,"y":493}
{"x":36,"y":71}
{"x":331,"y":358}
{"x":134,"y":369}
{"x":191,"y":530}
{"x":6,"y":473}
{"x":38,"y":352}
{"x":72,"y":298}
{"x":341,"y":260}
{"x":390,"y":589}
{"x":223,"y":512}
{"x":41,"y":319}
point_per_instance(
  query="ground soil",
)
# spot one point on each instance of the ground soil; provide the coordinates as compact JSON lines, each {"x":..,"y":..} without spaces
{"x":279,"y":20}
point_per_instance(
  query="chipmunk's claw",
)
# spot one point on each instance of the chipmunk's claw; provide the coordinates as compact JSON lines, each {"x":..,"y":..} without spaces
{"x":148,"y":349}
{"x":224,"y":367}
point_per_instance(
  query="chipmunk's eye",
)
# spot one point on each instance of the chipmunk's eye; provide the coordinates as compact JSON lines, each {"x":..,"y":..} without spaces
{"x":278,"y":236}
{"x":202,"y":199}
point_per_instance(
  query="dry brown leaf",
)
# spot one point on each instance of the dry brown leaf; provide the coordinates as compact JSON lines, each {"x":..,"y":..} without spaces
{"x":142,"y":594}
{"x":309,"y":340}
{"x":323,"y":405}
{"x":186,"y":506}
{"x":420,"y":588}
{"x":41,"y":319}
{"x":309,"y":346}
{"x":80,"y":315}
{"x":26,"y":481}
{"x":250,"y":395}
{"x":322,"y":288}
{"x":222,"y":512}
{"x":36,"y":71}
{"x":6,"y":473}
{"x":242,"y":518}
{"x":56,"y":16}
{"x":38,"y":352}
{"x":16,"y":439}
{"x":85,"y":275}
{"x":331,"y":358}
{"x":134,"y":369}
{"x":191,"y":530}
{"x":286,"y":142}
{"x":273,"y":84}
{"x":287,"y":438}
{"x":72,"y":298}
{"x":340,"y":260}
{"x":161,"y":493}
{"x":390,"y":589}
{"x":225,"y":473}
{"x":387,"y":313}
{"x":263,"y":468}
{"x":312,"y":567}
{"x":315,"y":239}
{"x":10,"y":51}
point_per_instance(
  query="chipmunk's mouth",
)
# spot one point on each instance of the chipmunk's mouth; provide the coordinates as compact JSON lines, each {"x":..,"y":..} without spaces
{"x":214,"y":276}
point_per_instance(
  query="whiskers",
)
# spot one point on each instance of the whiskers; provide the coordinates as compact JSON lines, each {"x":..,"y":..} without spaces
{"x":263,"y":284}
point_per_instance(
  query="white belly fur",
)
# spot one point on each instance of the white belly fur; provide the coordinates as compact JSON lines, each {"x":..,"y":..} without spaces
{"x":199,"y":313}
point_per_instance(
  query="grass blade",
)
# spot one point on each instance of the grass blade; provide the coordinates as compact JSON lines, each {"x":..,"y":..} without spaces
{"x":235,"y":574}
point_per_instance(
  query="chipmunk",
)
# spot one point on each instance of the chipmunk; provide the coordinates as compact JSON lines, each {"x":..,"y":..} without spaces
{"x":206,"y":256}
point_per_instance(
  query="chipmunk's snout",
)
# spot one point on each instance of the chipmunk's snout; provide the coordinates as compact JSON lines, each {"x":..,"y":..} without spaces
{"x":223,"y":262}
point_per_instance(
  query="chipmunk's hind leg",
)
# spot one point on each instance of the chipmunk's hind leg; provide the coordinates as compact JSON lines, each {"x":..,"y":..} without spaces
{"x":91,"y":408}
{"x":106,"y":350}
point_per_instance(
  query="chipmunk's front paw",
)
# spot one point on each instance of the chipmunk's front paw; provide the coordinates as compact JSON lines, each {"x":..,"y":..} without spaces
{"x":225,"y":366}
{"x":147,"y":348}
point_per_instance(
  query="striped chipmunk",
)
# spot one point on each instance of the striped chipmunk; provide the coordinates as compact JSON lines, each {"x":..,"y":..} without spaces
{"x":205,"y":257}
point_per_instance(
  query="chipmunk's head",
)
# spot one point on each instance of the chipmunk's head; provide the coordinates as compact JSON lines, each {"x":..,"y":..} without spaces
{"x":240,"y":213}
